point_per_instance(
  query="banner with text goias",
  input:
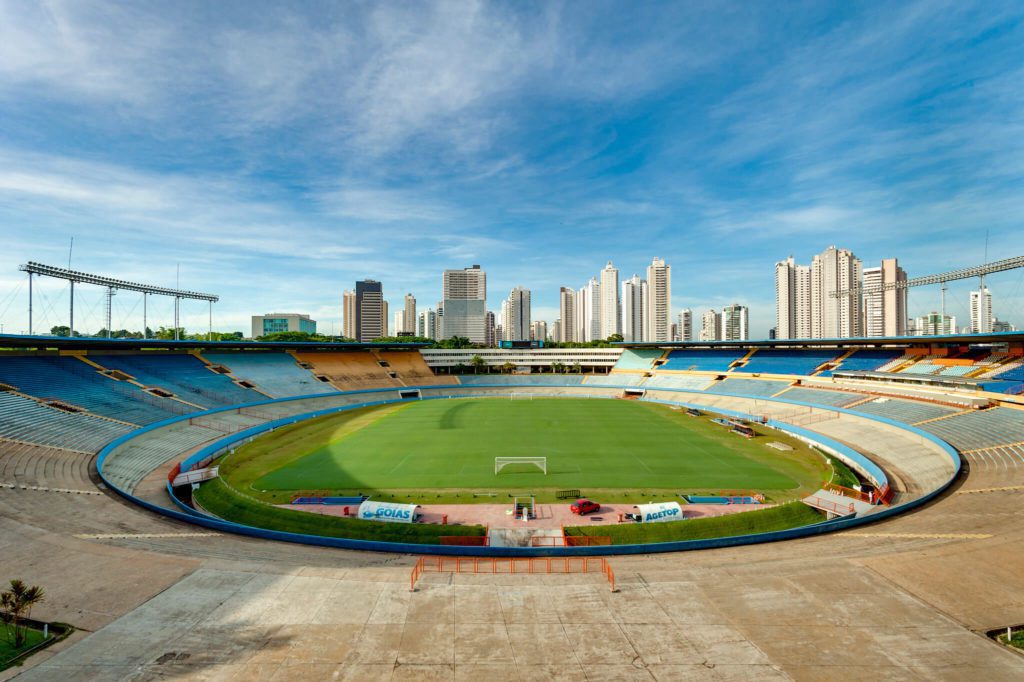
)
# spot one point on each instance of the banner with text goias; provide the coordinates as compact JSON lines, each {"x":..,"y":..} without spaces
{"x":371,"y":510}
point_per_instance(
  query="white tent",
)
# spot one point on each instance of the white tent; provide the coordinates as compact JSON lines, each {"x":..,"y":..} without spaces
{"x":371,"y":510}
{"x":660,"y":511}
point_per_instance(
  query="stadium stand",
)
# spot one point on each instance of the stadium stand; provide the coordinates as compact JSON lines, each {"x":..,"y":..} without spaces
{"x":866,"y":361}
{"x":1013,"y":372}
{"x":274,"y":373}
{"x":34,"y":465}
{"x":787,"y":361}
{"x":412,"y":369}
{"x":25,"y":420}
{"x":72,"y":381}
{"x":614,"y":379}
{"x":923,"y":366}
{"x":824,"y":397}
{"x":351,"y":370}
{"x":998,"y":426}
{"x":639,"y":359}
{"x":703,"y":360}
{"x":521,"y":379}
{"x":906,"y":411}
{"x":184,"y":375}
{"x":693,"y":383}
{"x":751,"y":387}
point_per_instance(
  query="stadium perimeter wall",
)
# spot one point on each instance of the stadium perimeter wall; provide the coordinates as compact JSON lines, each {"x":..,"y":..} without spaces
{"x":187,"y":514}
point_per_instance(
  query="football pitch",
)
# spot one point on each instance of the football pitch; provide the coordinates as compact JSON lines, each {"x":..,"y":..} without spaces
{"x":451,"y":445}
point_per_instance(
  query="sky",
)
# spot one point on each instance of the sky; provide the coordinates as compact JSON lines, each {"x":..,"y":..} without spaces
{"x":274,"y":153}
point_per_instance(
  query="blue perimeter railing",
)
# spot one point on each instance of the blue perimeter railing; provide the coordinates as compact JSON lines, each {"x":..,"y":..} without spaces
{"x":190,"y":515}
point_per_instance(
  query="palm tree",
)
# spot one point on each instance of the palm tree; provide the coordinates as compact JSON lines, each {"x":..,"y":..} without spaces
{"x":508,"y":367}
{"x":16,"y":604}
{"x":477,"y":363}
{"x":577,"y":367}
{"x":557,"y":367}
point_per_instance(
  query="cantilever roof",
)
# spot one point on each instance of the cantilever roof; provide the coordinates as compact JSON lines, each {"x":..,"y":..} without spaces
{"x":897,"y":341}
{"x":89,"y":343}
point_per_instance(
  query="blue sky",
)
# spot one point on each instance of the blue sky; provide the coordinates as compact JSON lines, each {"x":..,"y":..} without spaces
{"x":278,"y":152}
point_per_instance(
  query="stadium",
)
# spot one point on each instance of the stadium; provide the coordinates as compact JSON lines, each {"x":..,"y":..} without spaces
{"x":220,"y":509}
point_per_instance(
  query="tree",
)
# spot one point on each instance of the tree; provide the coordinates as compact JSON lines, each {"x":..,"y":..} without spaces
{"x":557,"y":367}
{"x":16,"y":604}
{"x":577,"y":367}
{"x":614,"y":338}
{"x":478,"y":363}
{"x":60,"y":330}
{"x":507,"y":368}
{"x":459,"y":368}
{"x":167,"y":333}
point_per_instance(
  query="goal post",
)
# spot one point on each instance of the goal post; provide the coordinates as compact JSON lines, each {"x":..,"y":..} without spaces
{"x":502,"y":462}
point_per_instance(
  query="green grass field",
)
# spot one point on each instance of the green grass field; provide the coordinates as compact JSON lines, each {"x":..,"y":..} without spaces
{"x":430,"y":450}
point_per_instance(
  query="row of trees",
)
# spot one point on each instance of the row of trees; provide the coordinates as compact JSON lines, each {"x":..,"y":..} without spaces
{"x":163,"y":334}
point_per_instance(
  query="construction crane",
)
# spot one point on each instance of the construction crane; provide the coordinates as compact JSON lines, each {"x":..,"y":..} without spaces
{"x":942,"y":278}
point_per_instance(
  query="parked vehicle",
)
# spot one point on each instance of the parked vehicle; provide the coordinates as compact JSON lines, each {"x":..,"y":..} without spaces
{"x":584,"y":506}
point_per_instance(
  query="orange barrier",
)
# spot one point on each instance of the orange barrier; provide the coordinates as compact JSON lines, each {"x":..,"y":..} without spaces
{"x":466,"y":540}
{"x":511,"y":566}
{"x":848,"y":492}
{"x":570,"y":541}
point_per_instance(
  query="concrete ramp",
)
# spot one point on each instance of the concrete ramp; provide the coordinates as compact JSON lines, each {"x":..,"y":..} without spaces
{"x":519,"y":537}
{"x":835,"y":504}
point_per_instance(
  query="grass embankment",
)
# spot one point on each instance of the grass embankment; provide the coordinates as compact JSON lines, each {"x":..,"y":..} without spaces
{"x":1016,"y":640}
{"x":8,"y":652}
{"x":783,"y":517}
{"x":442,"y":451}
{"x":843,"y":475}
{"x":220,"y":500}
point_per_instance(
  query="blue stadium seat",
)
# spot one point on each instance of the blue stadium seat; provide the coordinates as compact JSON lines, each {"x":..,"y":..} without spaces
{"x":184,"y":375}
{"x":275,"y":373}
{"x":787,"y":361}
{"x":702,"y":360}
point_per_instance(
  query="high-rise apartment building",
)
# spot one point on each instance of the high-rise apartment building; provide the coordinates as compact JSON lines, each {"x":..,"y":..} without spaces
{"x":567,"y":316}
{"x":684,"y":326}
{"x":832,"y":271}
{"x":371,"y":311}
{"x":515,"y":315}
{"x":439,"y":320}
{"x":659,"y":301}
{"x":885,"y":311}
{"x":556,"y":330}
{"x":588,"y":311}
{"x":398,"y":323}
{"x":348,"y":314}
{"x":981,"y":311}
{"x":735,"y":323}
{"x":934,"y":324}
{"x":634,"y":309}
{"x":490,"y":329}
{"x":465,"y":304}
{"x":792,"y":300}
{"x":427,"y":326}
{"x":711,"y":326}
{"x":609,"y":310}
{"x":409,"y":314}
{"x":539,"y":331}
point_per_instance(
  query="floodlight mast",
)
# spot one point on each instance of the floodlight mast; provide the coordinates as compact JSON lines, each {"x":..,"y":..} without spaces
{"x":941,"y":278}
{"x":112,"y":285}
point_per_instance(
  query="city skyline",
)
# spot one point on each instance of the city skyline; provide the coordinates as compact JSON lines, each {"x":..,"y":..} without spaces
{"x":277,"y":156}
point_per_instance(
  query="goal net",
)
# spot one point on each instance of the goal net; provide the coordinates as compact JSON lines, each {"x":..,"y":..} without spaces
{"x":502,"y":462}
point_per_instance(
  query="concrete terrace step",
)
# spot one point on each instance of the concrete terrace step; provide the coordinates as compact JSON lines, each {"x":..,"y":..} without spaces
{"x":834,"y":503}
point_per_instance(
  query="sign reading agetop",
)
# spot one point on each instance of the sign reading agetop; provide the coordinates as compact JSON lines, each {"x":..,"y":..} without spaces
{"x":660,"y":511}
{"x":387,"y":511}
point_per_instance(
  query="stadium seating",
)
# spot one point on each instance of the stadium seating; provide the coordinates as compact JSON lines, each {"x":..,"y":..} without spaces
{"x":906,"y":411}
{"x":351,"y":370}
{"x":521,"y":379}
{"x":412,"y":369}
{"x":702,"y":360}
{"x":640,"y":359}
{"x":868,"y":360}
{"x":72,"y":381}
{"x":1014,"y":372}
{"x":188,"y":377}
{"x":614,"y":379}
{"x":750,"y":387}
{"x":694,"y":383}
{"x":787,"y":361}
{"x":818,"y":396}
{"x":131,"y":463}
{"x":274,"y":373}
{"x":980,"y":429}
{"x":26,"y":420}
